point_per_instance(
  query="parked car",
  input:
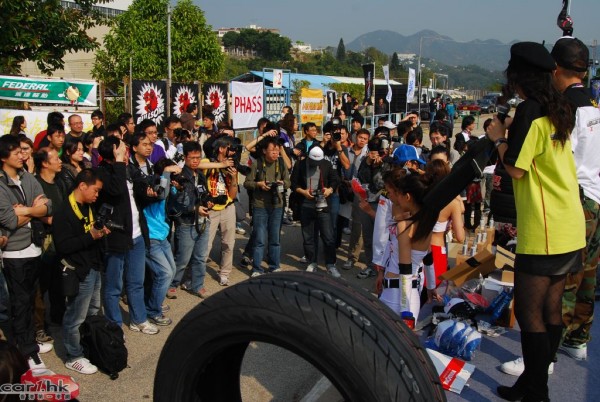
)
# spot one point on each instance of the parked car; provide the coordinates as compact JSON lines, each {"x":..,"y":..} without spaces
{"x":486,"y":106}
{"x":469,"y":107}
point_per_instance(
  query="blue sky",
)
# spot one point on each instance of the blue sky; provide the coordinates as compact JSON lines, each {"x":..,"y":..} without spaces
{"x":323,"y":22}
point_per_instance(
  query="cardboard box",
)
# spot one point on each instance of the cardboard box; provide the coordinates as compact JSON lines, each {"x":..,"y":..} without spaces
{"x":505,"y":262}
{"x":482,"y":263}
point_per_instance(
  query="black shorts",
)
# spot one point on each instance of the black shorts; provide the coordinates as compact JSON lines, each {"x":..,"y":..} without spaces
{"x":549,"y":265}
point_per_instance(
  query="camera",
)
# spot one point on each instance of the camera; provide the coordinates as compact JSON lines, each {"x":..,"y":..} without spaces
{"x":205,"y":198}
{"x":103,"y":219}
{"x":275,"y":189}
{"x":320,"y":201}
{"x":237,"y":148}
{"x":503,"y":110}
{"x":336,"y":129}
{"x":158,"y":185}
{"x":181,"y":135}
{"x":180,"y":179}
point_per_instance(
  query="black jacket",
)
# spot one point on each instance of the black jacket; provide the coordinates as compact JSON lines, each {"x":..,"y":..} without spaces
{"x":329,"y":176}
{"x":73,"y":243}
{"x":182,"y":204}
{"x":115,"y":192}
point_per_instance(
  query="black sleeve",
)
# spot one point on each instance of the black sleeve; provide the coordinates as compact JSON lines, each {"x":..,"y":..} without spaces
{"x":332,"y":178}
{"x":113,"y":182}
{"x":69,"y":238}
{"x":526,"y":113}
{"x":296,"y":176}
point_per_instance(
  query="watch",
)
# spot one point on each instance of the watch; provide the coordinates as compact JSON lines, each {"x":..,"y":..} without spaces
{"x":500,"y":141}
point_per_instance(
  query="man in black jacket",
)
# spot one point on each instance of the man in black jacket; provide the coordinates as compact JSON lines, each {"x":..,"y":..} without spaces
{"x":76,"y":240}
{"x":315,"y":179}
{"x":126,"y":247}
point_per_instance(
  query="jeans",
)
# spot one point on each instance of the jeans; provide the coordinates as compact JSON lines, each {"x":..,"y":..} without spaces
{"x":334,"y":210}
{"x":192,"y":249}
{"x":266,"y":221}
{"x":85,"y":304}
{"x":161,"y":262}
{"x":133,"y":263}
{"x":21,"y":276}
{"x":309,"y":219}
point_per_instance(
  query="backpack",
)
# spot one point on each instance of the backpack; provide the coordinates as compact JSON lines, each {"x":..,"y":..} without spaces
{"x":104,"y":345}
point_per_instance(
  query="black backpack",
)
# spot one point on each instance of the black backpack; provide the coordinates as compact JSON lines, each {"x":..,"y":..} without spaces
{"x":104,"y":345}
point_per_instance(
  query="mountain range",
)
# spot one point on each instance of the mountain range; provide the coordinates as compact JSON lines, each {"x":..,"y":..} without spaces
{"x":490,"y":54}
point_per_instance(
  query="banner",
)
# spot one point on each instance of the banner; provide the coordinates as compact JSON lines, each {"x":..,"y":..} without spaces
{"x":182,"y":95}
{"x":215,"y":96}
{"x":246,"y":103}
{"x":410,"y":89}
{"x":369,"y":74}
{"x":311,"y":106}
{"x":330,"y":102}
{"x":386,"y":75}
{"x":149,"y":101}
{"x":277,"y":78}
{"x":37,"y":120}
{"x":42,"y":90}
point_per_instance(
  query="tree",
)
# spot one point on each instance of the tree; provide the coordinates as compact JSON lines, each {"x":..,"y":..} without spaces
{"x":230,"y":39}
{"x":341,"y":51}
{"x":141,"y":33}
{"x":395,"y":63}
{"x":44,"y":32}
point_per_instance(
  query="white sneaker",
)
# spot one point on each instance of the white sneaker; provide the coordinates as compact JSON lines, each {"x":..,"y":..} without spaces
{"x":577,"y":353}
{"x":333,"y":271}
{"x":145,"y":328}
{"x":517,"y":366}
{"x":255,"y":274}
{"x":312,"y":267}
{"x":240,"y":230}
{"x":303,"y":259}
{"x":348,"y":264}
{"x":45,"y":347}
{"x":36,"y":362}
{"x":82,"y":366}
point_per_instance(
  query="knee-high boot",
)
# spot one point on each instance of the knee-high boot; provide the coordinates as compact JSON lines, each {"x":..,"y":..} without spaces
{"x":532,"y":385}
{"x":554,"y":336}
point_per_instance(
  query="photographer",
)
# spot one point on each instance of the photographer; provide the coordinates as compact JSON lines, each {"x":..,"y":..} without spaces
{"x":315,"y":179}
{"x":185,"y":206}
{"x":167,"y":142}
{"x":76,"y":238}
{"x":125,"y":248}
{"x":268,"y":180}
{"x":223,"y":187}
{"x":309,"y":141}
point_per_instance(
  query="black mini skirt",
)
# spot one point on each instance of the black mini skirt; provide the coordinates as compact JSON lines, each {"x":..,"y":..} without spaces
{"x":549,"y":265}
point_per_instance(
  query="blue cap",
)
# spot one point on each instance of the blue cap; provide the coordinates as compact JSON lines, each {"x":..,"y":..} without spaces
{"x":405,"y":153}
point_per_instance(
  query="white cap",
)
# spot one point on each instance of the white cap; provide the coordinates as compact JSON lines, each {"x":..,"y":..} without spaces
{"x":389,"y":124}
{"x":316,"y":154}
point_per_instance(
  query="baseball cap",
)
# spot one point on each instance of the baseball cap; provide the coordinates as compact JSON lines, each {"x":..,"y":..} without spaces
{"x":389,"y":124}
{"x":571,"y":53}
{"x":316,"y":154}
{"x":405,"y":153}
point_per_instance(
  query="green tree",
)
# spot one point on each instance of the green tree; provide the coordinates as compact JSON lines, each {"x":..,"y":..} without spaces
{"x":141,"y":33}
{"x":231,"y":39}
{"x":341,"y":51}
{"x":395,"y":63}
{"x":44,"y":32}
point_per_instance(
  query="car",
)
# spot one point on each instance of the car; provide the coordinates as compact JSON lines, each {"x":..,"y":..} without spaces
{"x":468,"y":107}
{"x":486,"y":106}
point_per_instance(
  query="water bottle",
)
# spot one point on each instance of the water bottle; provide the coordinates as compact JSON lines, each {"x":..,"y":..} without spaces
{"x":465,"y":249}
{"x":491,"y":222}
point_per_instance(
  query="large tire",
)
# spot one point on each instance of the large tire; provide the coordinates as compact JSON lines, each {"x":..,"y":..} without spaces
{"x":351,"y":337}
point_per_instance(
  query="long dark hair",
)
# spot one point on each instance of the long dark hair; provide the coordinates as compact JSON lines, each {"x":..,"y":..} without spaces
{"x":69,"y":148}
{"x":538,"y":85}
{"x":16,"y":125}
{"x":410,"y":182}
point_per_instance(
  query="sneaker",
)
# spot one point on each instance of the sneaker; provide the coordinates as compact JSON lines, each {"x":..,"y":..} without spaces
{"x":201,"y":293}
{"x":145,"y":328}
{"x":172,"y":293}
{"x":287,"y":221}
{"x":517,"y":366}
{"x":36,"y":362}
{"x":41,"y":336}
{"x":312,"y":267}
{"x":303,"y":259}
{"x":256,"y":274}
{"x":576,"y":352}
{"x":165,"y":307}
{"x":348,"y":264}
{"x":275,"y":270}
{"x":240,"y":230}
{"x":347,"y":231}
{"x":186,"y":286}
{"x":82,"y":366}
{"x":366,"y":273}
{"x":161,"y":320}
{"x":333,"y":271}
{"x":223,"y":281}
{"x":246,"y":261}
{"x":45,"y":347}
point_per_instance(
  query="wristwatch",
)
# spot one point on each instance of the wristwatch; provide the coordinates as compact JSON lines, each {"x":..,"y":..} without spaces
{"x":500,"y":141}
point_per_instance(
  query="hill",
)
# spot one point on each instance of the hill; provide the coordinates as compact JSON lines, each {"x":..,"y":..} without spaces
{"x":489,"y":54}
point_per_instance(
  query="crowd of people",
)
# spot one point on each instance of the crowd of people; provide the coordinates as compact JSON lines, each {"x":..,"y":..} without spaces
{"x":142,"y":209}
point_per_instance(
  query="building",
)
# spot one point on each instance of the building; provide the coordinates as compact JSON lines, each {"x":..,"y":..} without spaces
{"x":222,"y":31}
{"x":302,"y":47}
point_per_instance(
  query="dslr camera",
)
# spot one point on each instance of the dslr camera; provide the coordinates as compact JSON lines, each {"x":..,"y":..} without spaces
{"x":103,"y":219}
{"x":336,"y":129}
{"x":237,"y":148}
{"x":320,"y":201}
{"x":275,"y":189}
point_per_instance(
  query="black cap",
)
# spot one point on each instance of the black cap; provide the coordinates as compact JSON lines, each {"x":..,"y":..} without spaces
{"x":571,"y":53}
{"x":531,"y":55}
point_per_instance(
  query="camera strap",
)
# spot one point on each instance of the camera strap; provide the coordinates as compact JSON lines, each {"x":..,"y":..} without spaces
{"x":87,"y":221}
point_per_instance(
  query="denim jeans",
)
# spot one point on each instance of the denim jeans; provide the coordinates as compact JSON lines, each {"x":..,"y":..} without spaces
{"x":85,"y":304}
{"x":309,"y":220}
{"x":161,"y":262}
{"x":133,"y":264}
{"x":334,"y":210}
{"x":266,"y":222}
{"x":192,"y":249}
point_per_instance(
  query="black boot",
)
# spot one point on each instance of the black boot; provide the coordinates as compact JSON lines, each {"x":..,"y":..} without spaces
{"x":555,"y":333}
{"x":532,"y":385}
